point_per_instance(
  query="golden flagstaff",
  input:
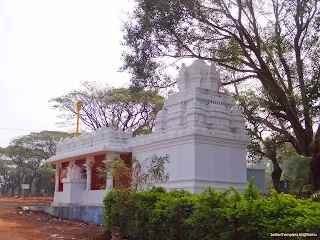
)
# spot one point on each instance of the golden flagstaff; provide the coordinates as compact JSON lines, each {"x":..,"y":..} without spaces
{"x":79,"y":105}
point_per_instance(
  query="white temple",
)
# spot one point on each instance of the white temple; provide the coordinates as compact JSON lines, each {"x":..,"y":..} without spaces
{"x":199,"y":128}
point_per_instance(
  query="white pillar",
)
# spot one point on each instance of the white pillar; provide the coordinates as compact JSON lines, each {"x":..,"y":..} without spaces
{"x":88,"y":165}
{"x":70,"y":169}
{"x":57,"y":176}
{"x":109,"y":183}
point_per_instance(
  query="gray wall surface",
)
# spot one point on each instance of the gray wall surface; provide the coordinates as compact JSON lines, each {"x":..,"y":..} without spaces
{"x":259,"y":177}
{"x":87,"y":214}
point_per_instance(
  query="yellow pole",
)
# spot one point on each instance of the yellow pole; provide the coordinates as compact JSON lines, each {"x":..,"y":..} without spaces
{"x":79,"y":105}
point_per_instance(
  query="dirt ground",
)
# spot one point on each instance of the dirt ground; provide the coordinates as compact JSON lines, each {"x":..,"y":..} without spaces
{"x":40,"y":226}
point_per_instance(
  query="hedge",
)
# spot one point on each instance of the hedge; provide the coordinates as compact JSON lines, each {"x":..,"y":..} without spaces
{"x":157,"y":214}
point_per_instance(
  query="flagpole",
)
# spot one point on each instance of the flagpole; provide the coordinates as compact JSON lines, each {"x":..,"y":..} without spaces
{"x":79,"y":105}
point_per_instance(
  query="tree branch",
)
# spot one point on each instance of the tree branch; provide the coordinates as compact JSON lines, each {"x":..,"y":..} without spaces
{"x":238,"y":80}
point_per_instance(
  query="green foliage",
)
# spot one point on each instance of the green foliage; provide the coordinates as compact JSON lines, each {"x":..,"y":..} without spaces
{"x":119,"y":170}
{"x":107,"y":106}
{"x":296,"y":171}
{"x":118,"y":210}
{"x":268,"y":181}
{"x":251,"y":191}
{"x":170,"y":213}
{"x":212,"y":210}
{"x":273,"y":63}
{"x":149,"y":172}
{"x":316,"y":196}
{"x":236,"y":197}
{"x":23,"y":162}
{"x":141,"y":175}
{"x":157,"y":214}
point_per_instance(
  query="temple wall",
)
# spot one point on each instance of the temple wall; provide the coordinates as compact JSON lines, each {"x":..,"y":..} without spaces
{"x":199,"y":127}
{"x":181,"y":158}
{"x":202,"y":132}
{"x":194,"y":165}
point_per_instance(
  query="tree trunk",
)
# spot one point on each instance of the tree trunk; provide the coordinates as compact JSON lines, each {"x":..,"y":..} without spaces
{"x":3,"y":191}
{"x":315,"y":164}
{"x":315,"y":171}
{"x":30,"y":186}
{"x":276,"y":175}
{"x":6,"y":190}
{"x":37,"y":186}
{"x":20,"y":190}
{"x":12,"y":191}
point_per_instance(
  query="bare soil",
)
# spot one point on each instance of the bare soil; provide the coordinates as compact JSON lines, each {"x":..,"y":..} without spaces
{"x":40,"y":226}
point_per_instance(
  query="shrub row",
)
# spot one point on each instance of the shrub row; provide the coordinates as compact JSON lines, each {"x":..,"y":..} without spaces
{"x":157,"y":214}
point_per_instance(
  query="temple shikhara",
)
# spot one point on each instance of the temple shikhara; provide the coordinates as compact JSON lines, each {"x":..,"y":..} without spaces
{"x":200,"y":128}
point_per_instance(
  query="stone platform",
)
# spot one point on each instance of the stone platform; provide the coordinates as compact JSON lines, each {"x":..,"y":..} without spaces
{"x":87,"y":214}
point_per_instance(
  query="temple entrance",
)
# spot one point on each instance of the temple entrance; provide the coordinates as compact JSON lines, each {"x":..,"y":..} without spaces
{"x":98,"y":182}
{"x":125,"y":179}
{"x":62,"y":174}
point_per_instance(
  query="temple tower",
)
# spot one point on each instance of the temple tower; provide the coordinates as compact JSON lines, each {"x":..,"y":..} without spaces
{"x":201,"y":130}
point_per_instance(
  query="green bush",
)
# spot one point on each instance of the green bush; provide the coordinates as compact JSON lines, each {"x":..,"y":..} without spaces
{"x":157,"y":214}
{"x":210,"y":218}
{"x":170,"y":213}
{"x":119,"y":207}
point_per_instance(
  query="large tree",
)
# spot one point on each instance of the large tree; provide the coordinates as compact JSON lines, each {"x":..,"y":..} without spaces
{"x":264,"y":144}
{"x":272,"y":43}
{"x":106,"y":106}
{"x":23,"y":161}
{"x":11,"y":175}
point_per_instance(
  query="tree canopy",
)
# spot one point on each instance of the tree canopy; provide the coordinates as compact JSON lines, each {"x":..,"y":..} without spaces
{"x":106,"y":106}
{"x":273,"y":44}
{"x":22,"y":162}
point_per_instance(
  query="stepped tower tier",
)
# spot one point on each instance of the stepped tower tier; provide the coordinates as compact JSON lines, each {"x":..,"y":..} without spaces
{"x":202,"y":131}
{"x":200,"y":104}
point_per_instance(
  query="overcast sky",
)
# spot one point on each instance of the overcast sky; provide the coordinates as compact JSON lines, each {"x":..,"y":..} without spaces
{"x":47,"y":47}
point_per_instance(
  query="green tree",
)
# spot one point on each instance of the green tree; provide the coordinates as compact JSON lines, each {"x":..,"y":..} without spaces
{"x":150,"y":171}
{"x":11,"y":175}
{"x":268,"y":182}
{"x":296,"y":172}
{"x":43,"y":179}
{"x":267,"y":147}
{"x":274,"y":43}
{"x":107,"y":106}
{"x":23,"y":161}
{"x":141,"y":176}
